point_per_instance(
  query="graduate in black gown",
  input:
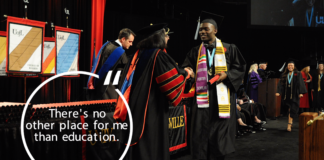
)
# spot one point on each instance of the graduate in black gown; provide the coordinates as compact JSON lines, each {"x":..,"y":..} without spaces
{"x":291,"y":88}
{"x":318,"y":87}
{"x":213,"y":133}
{"x":155,"y":82}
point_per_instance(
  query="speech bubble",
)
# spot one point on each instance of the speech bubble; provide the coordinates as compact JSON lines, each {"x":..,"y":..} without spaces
{"x":64,"y":74}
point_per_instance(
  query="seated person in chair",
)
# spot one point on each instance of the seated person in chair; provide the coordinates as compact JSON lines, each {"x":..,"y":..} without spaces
{"x":253,"y":111}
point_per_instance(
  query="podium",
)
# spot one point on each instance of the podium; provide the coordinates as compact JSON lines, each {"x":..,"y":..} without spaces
{"x":311,"y":137}
{"x":267,"y":96}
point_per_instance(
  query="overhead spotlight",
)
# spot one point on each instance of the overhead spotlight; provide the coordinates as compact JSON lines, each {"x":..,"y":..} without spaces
{"x":151,"y":24}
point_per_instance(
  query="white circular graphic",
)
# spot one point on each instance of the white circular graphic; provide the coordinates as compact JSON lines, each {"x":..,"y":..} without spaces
{"x":65,"y":74}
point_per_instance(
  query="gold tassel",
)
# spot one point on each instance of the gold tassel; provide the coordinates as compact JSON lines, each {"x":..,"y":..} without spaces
{"x":291,"y":86}
{"x":286,"y":89}
{"x":319,"y":83}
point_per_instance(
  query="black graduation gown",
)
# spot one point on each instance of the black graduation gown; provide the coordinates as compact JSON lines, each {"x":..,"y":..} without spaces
{"x":318,"y":96}
{"x":149,"y":104}
{"x":108,"y":92}
{"x":262,"y":74}
{"x":213,"y":136}
{"x":290,"y":98}
{"x":254,"y":109}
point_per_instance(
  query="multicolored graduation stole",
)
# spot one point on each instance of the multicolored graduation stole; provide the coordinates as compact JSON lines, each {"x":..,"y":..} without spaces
{"x":223,"y":93}
{"x":24,"y":45}
{"x":3,"y":49}
{"x":49,"y":56}
{"x":202,"y":79}
{"x":67,"y":42}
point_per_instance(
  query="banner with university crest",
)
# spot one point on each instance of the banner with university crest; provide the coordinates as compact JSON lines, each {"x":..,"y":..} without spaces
{"x":25,"y":39}
{"x":67,"y":42}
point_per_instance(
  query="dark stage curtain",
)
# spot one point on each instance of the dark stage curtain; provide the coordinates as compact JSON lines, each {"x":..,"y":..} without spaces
{"x":12,"y":89}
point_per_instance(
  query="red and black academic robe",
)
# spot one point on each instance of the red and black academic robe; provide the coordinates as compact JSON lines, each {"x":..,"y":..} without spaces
{"x":213,"y":136}
{"x":290,"y":95}
{"x":149,"y":99}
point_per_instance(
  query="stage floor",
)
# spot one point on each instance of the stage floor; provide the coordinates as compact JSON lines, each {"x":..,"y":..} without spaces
{"x":274,"y":143}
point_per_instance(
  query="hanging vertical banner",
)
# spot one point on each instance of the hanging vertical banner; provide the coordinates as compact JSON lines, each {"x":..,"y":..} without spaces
{"x":67,"y":50}
{"x":24,"y":45}
{"x":49,"y":56}
{"x":3,"y":49}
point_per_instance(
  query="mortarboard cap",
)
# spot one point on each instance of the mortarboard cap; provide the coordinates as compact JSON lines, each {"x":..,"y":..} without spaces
{"x":319,"y":62}
{"x":151,"y":29}
{"x":253,"y":63}
{"x":212,"y":18}
{"x":290,"y":60}
{"x":207,"y":17}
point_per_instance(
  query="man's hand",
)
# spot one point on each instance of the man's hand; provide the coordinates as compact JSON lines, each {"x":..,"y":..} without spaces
{"x":240,"y":102}
{"x":238,"y":107}
{"x":300,"y":95}
{"x":192,"y":74}
{"x":277,"y":94}
{"x":222,"y":76}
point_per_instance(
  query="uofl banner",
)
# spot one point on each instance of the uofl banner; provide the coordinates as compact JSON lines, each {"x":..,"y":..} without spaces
{"x":25,"y":39}
{"x":3,"y":49}
{"x":49,"y":56}
{"x":67,"y":50}
{"x":177,"y":129}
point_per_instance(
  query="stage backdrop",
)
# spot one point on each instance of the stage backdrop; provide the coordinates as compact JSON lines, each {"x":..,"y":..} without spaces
{"x":51,"y":11}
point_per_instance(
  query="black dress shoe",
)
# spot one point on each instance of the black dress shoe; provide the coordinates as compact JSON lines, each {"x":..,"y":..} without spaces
{"x":257,"y":126}
{"x":262,"y":129}
{"x":261,"y":123}
{"x":249,"y":127}
{"x":238,"y":133}
{"x":245,"y":127}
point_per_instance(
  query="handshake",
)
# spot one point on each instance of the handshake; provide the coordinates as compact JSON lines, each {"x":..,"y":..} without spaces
{"x":219,"y":77}
{"x":190,"y":71}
